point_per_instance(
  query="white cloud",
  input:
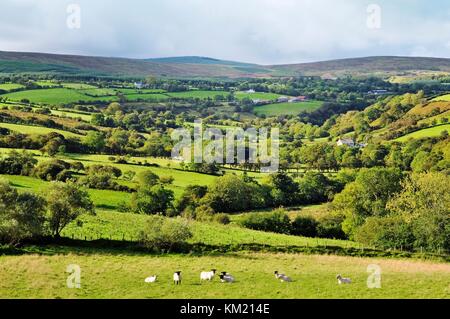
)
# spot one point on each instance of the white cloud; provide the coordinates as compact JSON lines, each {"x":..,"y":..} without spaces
{"x":260,"y":31}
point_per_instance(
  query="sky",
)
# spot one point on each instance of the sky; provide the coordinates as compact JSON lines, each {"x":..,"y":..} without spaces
{"x":256,"y":31}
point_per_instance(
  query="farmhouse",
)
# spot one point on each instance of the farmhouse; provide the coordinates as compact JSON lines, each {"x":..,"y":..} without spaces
{"x":298,"y":99}
{"x":138,"y":85}
{"x":282,"y":99}
{"x":260,"y":102}
{"x":349,"y":142}
{"x":251,"y":91}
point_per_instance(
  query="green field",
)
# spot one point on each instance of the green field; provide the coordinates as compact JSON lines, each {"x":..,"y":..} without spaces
{"x":287,"y":108}
{"x":10,"y":86}
{"x":257,"y":96}
{"x":146,"y":97}
{"x":116,"y":274}
{"x":36,"y":130}
{"x":197,"y":94}
{"x":54,"y":96}
{"x":445,"y":97}
{"x":78,"y":86}
{"x":427,"y":132}
{"x":68,"y":113}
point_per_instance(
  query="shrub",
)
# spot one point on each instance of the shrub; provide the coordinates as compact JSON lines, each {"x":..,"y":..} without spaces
{"x":386,"y":232}
{"x":331,"y":227}
{"x":304,"y":226}
{"x":165,"y":234}
{"x":152,"y":200}
{"x":21,"y":214}
{"x":49,"y":170}
{"x":222,"y":218}
{"x":204,"y":213}
{"x":276,"y":222}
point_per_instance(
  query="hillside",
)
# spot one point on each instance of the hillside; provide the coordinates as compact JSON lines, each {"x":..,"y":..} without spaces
{"x":204,"y":67}
{"x":386,"y":65}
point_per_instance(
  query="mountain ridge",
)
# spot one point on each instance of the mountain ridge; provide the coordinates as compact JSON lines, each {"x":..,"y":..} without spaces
{"x":199,"y":66}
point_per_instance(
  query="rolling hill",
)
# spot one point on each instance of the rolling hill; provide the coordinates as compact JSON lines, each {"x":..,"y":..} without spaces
{"x":204,"y":67}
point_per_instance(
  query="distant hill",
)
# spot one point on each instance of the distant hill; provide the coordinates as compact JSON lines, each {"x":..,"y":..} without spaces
{"x":205,"y":67}
{"x":385,"y":65}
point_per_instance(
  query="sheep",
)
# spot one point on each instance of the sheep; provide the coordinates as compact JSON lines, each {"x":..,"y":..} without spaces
{"x":282,"y":277}
{"x":226,"y":278}
{"x":342,"y":280}
{"x":207,"y":275}
{"x":151,"y":279}
{"x":177,"y":278}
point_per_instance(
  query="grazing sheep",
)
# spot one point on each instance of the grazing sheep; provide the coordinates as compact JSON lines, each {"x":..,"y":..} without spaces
{"x":342,"y":280}
{"x":225,"y":277}
{"x":151,"y":279}
{"x":207,"y":275}
{"x":282,"y":277}
{"x":177,"y":278}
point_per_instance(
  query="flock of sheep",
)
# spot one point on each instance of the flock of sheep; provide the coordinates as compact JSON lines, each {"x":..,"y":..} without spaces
{"x":228,"y":278}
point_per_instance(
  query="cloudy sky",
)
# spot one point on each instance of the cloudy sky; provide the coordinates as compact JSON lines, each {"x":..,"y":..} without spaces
{"x":259,"y":31}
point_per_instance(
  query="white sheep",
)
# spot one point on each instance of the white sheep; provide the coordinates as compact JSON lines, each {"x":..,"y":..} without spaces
{"x":282,"y":277}
{"x":226,"y":277}
{"x":177,"y":278}
{"x":342,"y":280}
{"x":151,"y":279}
{"x":207,"y":275}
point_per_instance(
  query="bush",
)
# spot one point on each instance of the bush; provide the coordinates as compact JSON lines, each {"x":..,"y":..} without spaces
{"x":165,"y":234}
{"x":222,"y":218}
{"x":331,"y":227}
{"x":304,"y":226}
{"x":204,"y":213}
{"x":276,"y":222}
{"x":386,"y":232}
{"x":49,"y":171}
{"x":22,"y":215}
{"x":152,"y":200}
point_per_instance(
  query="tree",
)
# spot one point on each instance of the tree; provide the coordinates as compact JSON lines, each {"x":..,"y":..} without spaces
{"x":166,"y":234}
{"x":66,"y":202}
{"x":424,"y":203}
{"x":191,"y":197}
{"x":284,"y":190}
{"x":22,"y":215}
{"x":152,"y":200}
{"x":366,"y":196}
{"x":147,"y":178}
{"x":95,"y":141}
{"x":229,"y":193}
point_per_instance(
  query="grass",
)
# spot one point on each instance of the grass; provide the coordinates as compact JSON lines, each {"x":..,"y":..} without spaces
{"x":257,"y":96}
{"x":36,"y":130}
{"x":197,"y":94}
{"x":121,"y":275}
{"x":54,"y":96}
{"x":78,"y":86}
{"x":287,"y":108}
{"x":64,"y":113}
{"x":427,"y":132}
{"x":445,"y":97}
{"x":10,"y":86}
{"x":103,"y":199}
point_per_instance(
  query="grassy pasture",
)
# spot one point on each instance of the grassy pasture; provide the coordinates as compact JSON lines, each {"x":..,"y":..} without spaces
{"x":427,"y":132}
{"x":78,"y":86}
{"x":257,"y":96}
{"x":197,"y":94}
{"x":36,"y":130}
{"x":445,"y":98}
{"x":54,"y":96}
{"x":10,"y":86}
{"x":146,"y":97}
{"x":287,"y":108}
{"x":119,"y":275}
{"x":68,"y":113}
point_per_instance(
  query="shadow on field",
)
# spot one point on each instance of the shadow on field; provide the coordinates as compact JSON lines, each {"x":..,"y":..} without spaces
{"x":50,"y":246}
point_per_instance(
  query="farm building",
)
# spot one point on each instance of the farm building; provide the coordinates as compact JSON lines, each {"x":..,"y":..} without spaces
{"x":298,"y":99}
{"x":250,"y":91}
{"x":282,"y":99}
{"x":349,"y":142}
